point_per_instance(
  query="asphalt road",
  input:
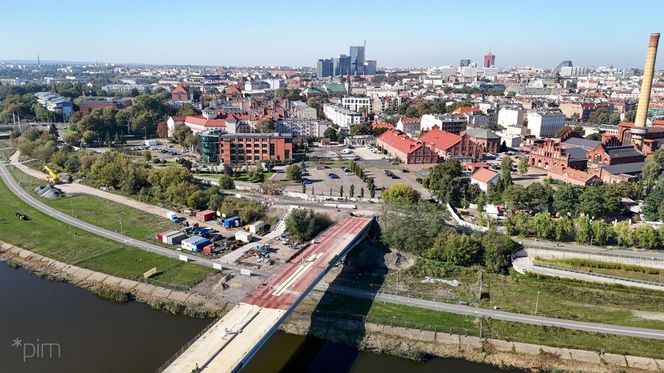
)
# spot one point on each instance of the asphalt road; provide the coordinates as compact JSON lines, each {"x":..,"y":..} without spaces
{"x":501,"y":315}
{"x":15,"y":188}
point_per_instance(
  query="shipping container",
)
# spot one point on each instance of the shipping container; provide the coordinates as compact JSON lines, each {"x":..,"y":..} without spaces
{"x":173,"y":237}
{"x":257,"y":227}
{"x":233,"y":221}
{"x":243,"y":236}
{"x":206,"y":215}
{"x":196,"y":243}
{"x":208,"y":249}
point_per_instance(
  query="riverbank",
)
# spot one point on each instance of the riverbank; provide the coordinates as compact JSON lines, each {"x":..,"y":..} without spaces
{"x":421,"y":344}
{"x":113,"y":287}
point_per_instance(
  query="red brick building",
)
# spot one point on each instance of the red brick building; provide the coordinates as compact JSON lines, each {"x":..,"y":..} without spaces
{"x":407,"y":149}
{"x":180,"y":93}
{"x":472,"y":143}
{"x":255,"y":147}
{"x":603,"y":156}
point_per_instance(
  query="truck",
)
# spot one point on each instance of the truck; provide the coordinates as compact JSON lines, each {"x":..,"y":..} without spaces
{"x":233,"y":221}
{"x":174,"y":217}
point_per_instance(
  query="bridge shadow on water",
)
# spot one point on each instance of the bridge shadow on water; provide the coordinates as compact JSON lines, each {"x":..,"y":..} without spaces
{"x":341,"y":318}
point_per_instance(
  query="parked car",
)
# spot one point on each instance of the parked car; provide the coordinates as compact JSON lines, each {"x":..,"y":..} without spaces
{"x":333,"y":176}
{"x":307,"y":182}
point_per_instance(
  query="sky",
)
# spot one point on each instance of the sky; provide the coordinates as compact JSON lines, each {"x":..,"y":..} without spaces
{"x":413,"y":33}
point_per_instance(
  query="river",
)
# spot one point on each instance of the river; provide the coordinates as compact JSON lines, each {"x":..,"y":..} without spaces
{"x":48,"y":326}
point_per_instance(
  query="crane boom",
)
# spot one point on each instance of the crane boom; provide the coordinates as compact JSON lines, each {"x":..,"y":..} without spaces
{"x":53,"y":177}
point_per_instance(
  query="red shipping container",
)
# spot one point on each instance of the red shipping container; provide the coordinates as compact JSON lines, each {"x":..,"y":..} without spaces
{"x":206,"y":215}
{"x":207,"y":249}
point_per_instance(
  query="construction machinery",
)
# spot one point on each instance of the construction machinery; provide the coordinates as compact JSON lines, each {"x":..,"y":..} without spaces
{"x":52,"y":176}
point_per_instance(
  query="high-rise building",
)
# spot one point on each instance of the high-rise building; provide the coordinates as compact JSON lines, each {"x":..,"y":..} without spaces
{"x":341,"y":65}
{"x":489,"y":60}
{"x":324,"y":68}
{"x":370,"y":67}
{"x":464,"y":63}
{"x":357,"y":59}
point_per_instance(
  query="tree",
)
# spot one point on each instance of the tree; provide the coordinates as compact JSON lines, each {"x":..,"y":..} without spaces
{"x":583,"y":230}
{"x":198,"y":200}
{"x":294,"y":173}
{"x":458,"y":249}
{"x":340,"y":137}
{"x":601,"y":232}
{"x":265,"y":125}
{"x":304,"y":224}
{"x":523,"y":165}
{"x":623,"y":233}
{"x":498,"y":250}
{"x":646,"y":237}
{"x":544,"y":227}
{"x":361,"y":192}
{"x":564,"y":229}
{"x":341,"y":190}
{"x":162,"y":130}
{"x":226,"y":182}
{"x":591,"y":202}
{"x":351,"y":193}
{"x":506,"y":172}
{"x":566,"y":199}
{"x":330,"y":133}
{"x":400,"y":193}
{"x":256,"y":174}
{"x":147,"y":155}
{"x":181,"y":134}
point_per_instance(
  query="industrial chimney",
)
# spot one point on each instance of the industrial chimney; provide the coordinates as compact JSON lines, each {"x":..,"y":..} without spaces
{"x":639,"y":129}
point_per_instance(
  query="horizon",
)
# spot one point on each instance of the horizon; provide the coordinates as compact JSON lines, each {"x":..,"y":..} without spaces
{"x":518,"y":33}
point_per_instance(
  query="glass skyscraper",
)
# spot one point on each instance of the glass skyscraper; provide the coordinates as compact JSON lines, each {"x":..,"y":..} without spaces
{"x":357,"y":59}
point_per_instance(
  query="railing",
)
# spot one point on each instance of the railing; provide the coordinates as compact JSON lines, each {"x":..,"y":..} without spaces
{"x":186,"y":346}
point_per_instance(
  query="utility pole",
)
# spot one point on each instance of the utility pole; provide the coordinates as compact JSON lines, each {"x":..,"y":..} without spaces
{"x":121,"y":224}
{"x":396,"y":287}
{"x":537,"y":302}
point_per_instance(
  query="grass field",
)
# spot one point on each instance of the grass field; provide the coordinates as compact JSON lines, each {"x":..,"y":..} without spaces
{"x":47,"y":236}
{"x":5,"y":149}
{"x":614,"y":269}
{"x":104,"y":213}
{"x":561,"y":298}
{"x":413,"y":317}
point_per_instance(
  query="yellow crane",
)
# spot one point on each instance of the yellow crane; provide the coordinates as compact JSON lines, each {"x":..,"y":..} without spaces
{"x":53,"y":177}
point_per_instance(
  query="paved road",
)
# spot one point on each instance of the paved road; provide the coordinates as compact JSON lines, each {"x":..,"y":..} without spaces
{"x":15,"y":188}
{"x":598,"y":250}
{"x":501,"y":315}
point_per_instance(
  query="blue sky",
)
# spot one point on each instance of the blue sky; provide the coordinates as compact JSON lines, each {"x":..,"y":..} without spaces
{"x":398,"y":33}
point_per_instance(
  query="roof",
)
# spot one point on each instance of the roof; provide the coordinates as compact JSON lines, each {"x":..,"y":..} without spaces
{"x":400,"y":141}
{"x":466,"y":109}
{"x":480,"y":133}
{"x":572,"y":174}
{"x":576,"y":153}
{"x":440,"y":139}
{"x":625,"y":168}
{"x":201,"y":121}
{"x":406,"y":120}
{"x":622,"y":151}
{"x":178,"y":119}
{"x":582,"y":143}
{"x":484,"y":175}
{"x":179,"y":89}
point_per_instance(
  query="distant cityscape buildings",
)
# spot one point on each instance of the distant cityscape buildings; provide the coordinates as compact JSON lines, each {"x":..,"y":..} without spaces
{"x":489,"y":60}
{"x":352,"y":64}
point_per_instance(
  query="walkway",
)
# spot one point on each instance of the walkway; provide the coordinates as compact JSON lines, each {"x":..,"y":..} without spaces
{"x":498,"y":315}
{"x":236,"y":337}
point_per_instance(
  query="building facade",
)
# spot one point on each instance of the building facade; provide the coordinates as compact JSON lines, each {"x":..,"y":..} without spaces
{"x":357,"y":104}
{"x":255,"y":147}
{"x":543,"y":124}
{"x":406,"y":149}
{"x":341,"y":116}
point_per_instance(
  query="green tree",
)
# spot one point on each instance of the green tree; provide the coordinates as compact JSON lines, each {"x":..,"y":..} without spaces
{"x":197,"y":200}
{"x":226,"y":182}
{"x":498,"y":250}
{"x":265,"y":125}
{"x":591,"y":202}
{"x":583,"y":230}
{"x":543,"y":224}
{"x":601,"y":232}
{"x":646,"y":237}
{"x":400,"y":193}
{"x":330,"y":133}
{"x":351,"y":193}
{"x":256,"y":174}
{"x":506,"y":172}
{"x":564,"y":229}
{"x":304,"y":224}
{"x":523,"y":165}
{"x":623,"y":233}
{"x":566,"y":199}
{"x":294,"y":173}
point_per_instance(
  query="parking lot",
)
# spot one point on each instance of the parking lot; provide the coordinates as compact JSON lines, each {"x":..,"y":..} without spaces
{"x":365,"y":154}
{"x":376,"y":169}
{"x":324,"y":184}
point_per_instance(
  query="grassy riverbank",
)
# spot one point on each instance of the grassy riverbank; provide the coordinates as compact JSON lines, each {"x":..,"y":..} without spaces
{"x":52,"y":238}
{"x":344,"y":307}
{"x":629,"y":271}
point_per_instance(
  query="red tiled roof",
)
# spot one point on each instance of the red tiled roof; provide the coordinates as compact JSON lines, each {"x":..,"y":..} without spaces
{"x":179,"y":119}
{"x":201,"y":121}
{"x":400,"y":141}
{"x":466,"y":109}
{"x":483,"y":175}
{"x":406,"y":120}
{"x":389,"y":126}
{"x":440,"y":139}
{"x":179,"y":89}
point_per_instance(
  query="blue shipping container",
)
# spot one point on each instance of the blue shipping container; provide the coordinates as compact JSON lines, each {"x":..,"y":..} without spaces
{"x":233,"y":221}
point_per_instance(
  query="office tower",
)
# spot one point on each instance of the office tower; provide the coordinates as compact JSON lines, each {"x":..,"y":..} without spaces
{"x":357,"y":60}
{"x":341,"y":65}
{"x":370,"y":67}
{"x":324,"y":68}
{"x":464,"y":63}
{"x":489,"y":60}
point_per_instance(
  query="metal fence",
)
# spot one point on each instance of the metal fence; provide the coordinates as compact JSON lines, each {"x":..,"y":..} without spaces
{"x":186,"y":346}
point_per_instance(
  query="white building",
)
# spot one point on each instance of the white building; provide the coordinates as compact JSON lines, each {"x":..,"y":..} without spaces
{"x":55,"y":103}
{"x":302,"y":127}
{"x":483,"y":177}
{"x":545,"y":123}
{"x":357,"y":104}
{"x":341,"y":116}
{"x":411,"y":126}
{"x":445,"y":122}
{"x":511,"y":117}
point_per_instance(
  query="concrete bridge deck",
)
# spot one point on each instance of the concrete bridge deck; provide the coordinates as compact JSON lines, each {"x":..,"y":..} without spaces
{"x":236,"y":337}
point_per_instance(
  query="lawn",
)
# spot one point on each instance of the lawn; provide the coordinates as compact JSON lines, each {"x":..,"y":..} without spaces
{"x":560,"y":298}
{"x":6,"y":149}
{"x":52,"y":238}
{"x":104,"y":213}
{"x":344,"y":307}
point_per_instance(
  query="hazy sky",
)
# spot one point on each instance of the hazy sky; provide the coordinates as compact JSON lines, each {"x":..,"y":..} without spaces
{"x":398,"y":33}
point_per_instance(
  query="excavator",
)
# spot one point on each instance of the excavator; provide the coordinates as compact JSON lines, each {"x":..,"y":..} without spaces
{"x":52,"y":176}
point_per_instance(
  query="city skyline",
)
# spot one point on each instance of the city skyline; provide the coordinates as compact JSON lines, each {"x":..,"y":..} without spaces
{"x":420,"y":35}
